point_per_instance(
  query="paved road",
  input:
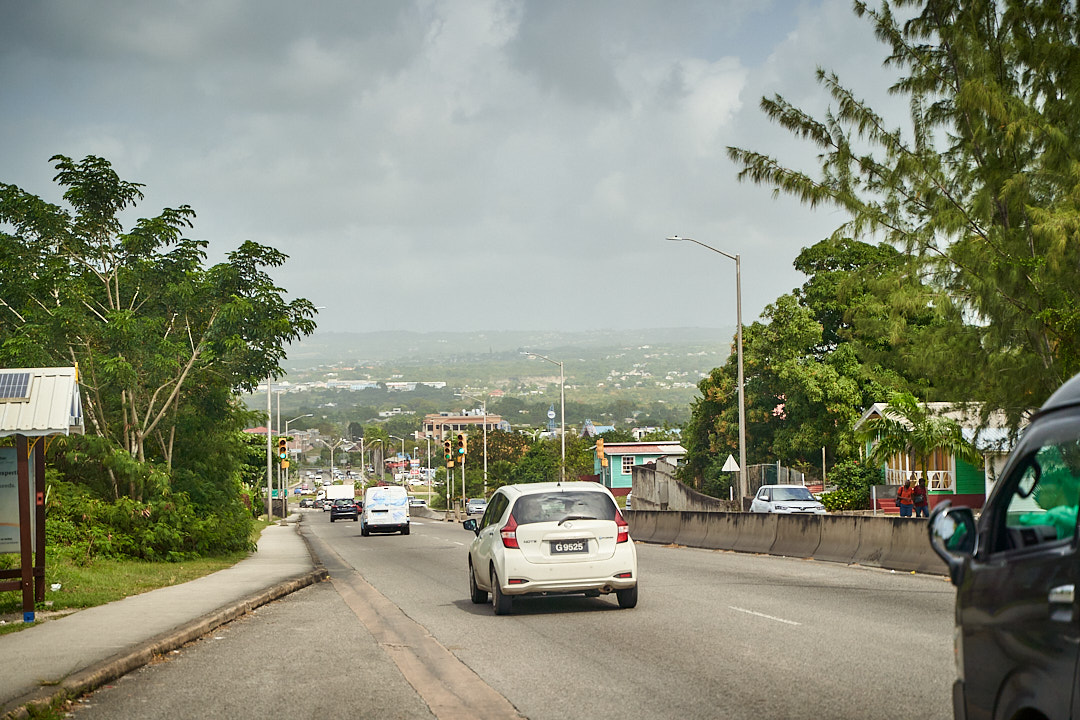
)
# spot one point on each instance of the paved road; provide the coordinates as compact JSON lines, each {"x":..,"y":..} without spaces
{"x":715,"y":634}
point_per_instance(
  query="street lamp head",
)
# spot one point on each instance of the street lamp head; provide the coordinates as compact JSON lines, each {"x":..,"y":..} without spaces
{"x":676,"y":238}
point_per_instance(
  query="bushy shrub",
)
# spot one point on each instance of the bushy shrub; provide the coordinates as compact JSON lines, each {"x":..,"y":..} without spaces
{"x":853,"y":481}
{"x":165,"y":527}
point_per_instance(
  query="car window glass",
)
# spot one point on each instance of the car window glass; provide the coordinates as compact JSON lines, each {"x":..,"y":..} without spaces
{"x":792,"y":494}
{"x":1044,"y":492}
{"x":557,"y":506}
{"x":494,"y":510}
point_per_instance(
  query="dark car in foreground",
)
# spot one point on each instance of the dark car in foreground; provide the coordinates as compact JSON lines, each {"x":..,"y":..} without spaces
{"x":344,"y":509}
{"x":1016,"y":569}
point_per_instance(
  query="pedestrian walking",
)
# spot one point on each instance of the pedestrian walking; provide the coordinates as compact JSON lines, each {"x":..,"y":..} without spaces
{"x":903,"y":499}
{"x":919,"y":501}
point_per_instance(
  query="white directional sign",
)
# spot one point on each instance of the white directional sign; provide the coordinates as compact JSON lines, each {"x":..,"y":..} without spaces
{"x":730,"y":465}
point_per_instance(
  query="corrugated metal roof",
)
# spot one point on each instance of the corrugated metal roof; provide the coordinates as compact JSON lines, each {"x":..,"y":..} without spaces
{"x":645,"y":448}
{"x":53,"y":408}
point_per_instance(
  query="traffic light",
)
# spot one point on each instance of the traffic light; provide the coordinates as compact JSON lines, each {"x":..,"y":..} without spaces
{"x":461,"y":447}
{"x":282,"y":448}
{"x":600,"y":452}
{"x":449,"y":453}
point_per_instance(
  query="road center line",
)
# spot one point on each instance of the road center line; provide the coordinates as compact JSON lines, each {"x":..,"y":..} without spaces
{"x":763,"y":615}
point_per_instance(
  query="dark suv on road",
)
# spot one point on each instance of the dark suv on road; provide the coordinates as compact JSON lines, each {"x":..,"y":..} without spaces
{"x":344,"y":508}
{"x":1016,"y":569}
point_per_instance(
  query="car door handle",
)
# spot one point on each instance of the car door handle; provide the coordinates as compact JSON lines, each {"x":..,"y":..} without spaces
{"x":1062,"y":595}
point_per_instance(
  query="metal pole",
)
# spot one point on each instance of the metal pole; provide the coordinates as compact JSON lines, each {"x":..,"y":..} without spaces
{"x":739,"y":350}
{"x":277,"y":431}
{"x":269,"y":454}
{"x":485,"y":449}
{"x":562,"y":421}
{"x":742,"y":393}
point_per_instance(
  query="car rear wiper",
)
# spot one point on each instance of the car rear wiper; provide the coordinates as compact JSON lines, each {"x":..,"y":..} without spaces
{"x":577,"y":517}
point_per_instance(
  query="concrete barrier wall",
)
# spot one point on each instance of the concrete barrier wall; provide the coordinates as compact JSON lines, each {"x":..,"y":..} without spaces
{"x":757,"y":532}
{"x":642,"y":524}
{"x":797,"y":536}
{"x":694,"y":526}
{"x":887,"y":542}
{"x":875,"y":539}
{"x":836,"y":544}
{"x":667,"y":529}
{"x":910,"y":549}
{"x":723,"y":531}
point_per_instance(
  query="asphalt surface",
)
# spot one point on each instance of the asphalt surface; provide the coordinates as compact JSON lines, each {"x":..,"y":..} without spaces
{"x":392,"y":633}
{"x":77,"y":653}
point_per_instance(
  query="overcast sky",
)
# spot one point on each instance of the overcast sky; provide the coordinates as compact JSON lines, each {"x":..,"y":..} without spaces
{"x":458,"y":164}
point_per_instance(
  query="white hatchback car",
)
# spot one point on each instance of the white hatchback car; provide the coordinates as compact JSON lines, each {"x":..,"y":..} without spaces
{"x":551,"y":539}
{"x":786,"y":499}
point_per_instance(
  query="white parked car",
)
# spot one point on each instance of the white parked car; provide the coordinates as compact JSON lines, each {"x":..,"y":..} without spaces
{"x":786,"y":499}
{"x":551,"y":539}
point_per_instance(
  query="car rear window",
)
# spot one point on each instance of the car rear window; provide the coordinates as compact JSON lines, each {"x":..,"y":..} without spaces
{"x":556,"y":506}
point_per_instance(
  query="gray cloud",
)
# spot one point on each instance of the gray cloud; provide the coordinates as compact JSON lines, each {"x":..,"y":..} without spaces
{"x":517,"y":163}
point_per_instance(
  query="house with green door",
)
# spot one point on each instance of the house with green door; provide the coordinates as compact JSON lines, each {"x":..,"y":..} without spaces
{"x":947,"y":476}
{"x":617,"y":474}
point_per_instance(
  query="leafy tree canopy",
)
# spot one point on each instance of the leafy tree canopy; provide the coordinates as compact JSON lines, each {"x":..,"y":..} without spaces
{"x":978,"y":185}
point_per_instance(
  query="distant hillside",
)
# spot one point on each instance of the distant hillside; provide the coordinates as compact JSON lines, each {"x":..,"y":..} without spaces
{"x":402,"y":347}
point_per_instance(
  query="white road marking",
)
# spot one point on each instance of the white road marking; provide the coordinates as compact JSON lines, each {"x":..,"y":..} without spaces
{"x":763,"y":615}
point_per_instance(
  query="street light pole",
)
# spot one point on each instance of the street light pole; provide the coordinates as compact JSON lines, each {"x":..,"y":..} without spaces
{"x":363,"y":458}
{"x":333,"y":448}
{"x":562,"y":409}
{"x":739,"y":349}
{"x":269,"y":453}
{"x":287,"y":436}
{"x":483,"y":407}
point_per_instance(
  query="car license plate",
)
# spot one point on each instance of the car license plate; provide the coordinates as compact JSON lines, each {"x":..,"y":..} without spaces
{"x":563,"y":547}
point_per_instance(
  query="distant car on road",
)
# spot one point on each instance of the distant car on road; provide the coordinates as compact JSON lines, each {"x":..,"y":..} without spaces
{"x":417,"y":501}
{"x":554,"y":539}
{"x":386,"y":509}
{"x":475,"y":506}
{"x":307,"y":502}
{"x":786,"y":500}
{"x":627,"y":506}
{"x":344,"y":508}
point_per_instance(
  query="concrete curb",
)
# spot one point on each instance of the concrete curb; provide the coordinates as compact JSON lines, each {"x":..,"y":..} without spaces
{"x":118,"y":665}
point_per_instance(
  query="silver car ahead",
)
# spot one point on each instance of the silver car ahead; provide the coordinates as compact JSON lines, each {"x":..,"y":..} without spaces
{"x":786,"y":499}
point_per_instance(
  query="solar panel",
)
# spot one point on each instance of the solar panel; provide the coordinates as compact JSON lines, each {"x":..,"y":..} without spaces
{"x":14,"y":386}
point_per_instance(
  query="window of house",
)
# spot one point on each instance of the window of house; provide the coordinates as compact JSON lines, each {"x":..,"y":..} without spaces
{"x":627,"y":464}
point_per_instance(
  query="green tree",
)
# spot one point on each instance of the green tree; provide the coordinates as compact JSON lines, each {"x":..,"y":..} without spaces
{"x":815,"y":358}
{"x":980,"y":189}
{"x":164,"y":345}
{"x":147,"y":324}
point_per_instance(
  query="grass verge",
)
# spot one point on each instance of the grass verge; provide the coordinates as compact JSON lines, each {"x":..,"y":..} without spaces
{"x":84,"y":585}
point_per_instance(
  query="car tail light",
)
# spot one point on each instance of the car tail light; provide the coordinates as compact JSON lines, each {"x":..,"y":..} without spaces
{"x":623,"y":528}
{"x":509,"y":533}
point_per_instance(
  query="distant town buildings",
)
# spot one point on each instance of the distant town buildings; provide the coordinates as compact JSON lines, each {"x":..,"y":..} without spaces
{"x":439,"y":425}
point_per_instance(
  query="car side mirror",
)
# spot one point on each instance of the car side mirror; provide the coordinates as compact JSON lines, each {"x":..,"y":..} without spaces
{"x":952,"y":536}
{"x":470,"y":524}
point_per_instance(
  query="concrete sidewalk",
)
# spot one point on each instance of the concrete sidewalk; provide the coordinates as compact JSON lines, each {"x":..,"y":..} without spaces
{"x":76,"y":653}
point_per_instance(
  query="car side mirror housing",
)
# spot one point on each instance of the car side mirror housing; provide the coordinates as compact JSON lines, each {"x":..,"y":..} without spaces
{"x":470,"y":524}
{"x":953,"y":535}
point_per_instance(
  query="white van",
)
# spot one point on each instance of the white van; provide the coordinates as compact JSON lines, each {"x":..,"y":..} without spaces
{"x":386,"y":509}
